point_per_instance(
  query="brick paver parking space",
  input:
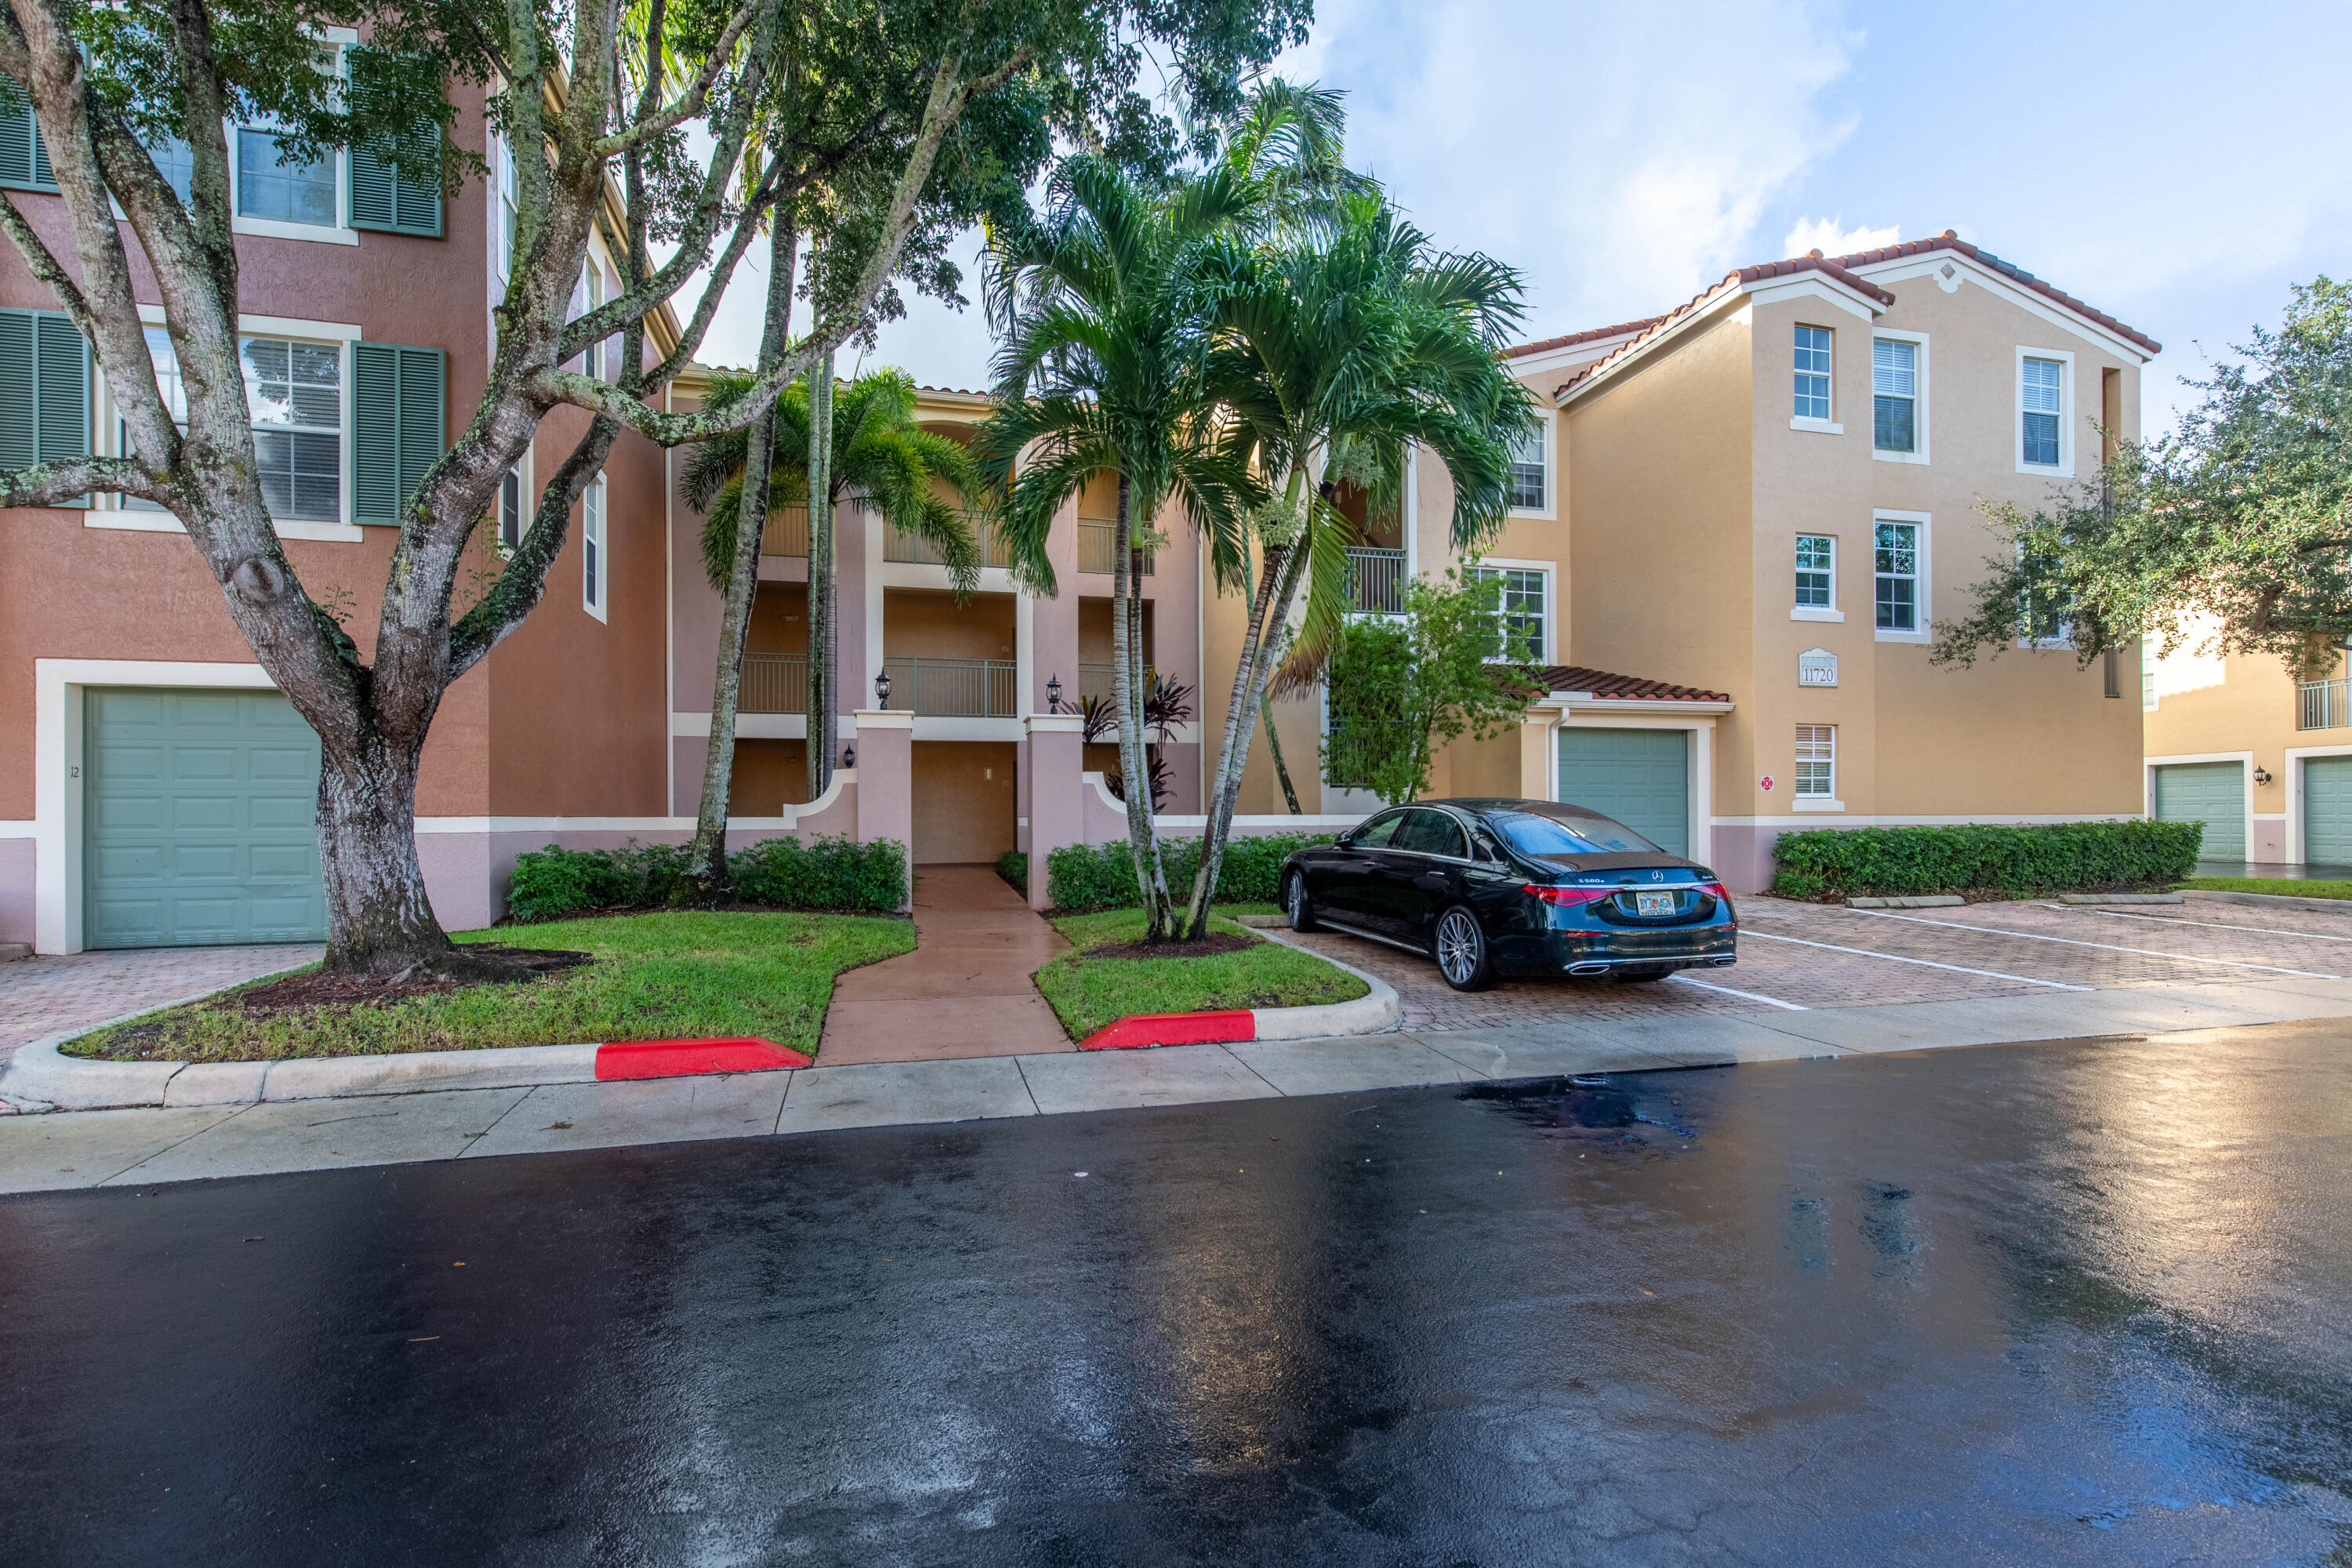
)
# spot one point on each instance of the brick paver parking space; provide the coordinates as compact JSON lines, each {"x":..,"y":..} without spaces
{"x":1790,"y":954}
{"x":44,"y":997}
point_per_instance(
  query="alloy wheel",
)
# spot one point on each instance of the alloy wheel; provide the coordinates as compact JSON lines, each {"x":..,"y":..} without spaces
{"x":1459,"y":942}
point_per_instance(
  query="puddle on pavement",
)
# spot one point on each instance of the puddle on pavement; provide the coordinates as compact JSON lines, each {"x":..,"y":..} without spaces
{"x":1591,"y":1108}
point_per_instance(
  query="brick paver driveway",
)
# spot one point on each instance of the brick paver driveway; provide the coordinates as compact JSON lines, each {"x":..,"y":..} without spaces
{"x":42,"y":996}
{"x":1816,"y":955}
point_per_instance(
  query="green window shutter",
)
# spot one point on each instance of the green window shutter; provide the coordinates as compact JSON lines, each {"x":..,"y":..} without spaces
{"x":44,"y":391}
{"x":379,"y":198}
{"x":399,"y":425}
{"x":24,"y":155}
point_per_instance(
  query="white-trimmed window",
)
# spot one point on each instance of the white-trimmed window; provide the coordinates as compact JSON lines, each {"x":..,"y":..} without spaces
{"x":510,"y":208}
{"x":595,"y":564}
{"x":1816,"y":571}
{"x":1816,"y":772}
{"x":1530,"y":471}
{"x":2041,"y":412}
{"x":294,"y":392}
{"x":1896,"y":575}
{"x":514,"y":514}
{"x":1522,"y":614}
{"x":166,"y":360}
{"x":1813,"y":383}
{"x":1894,"y":394}
{"x":271,"y":186}
{"x":2147,"y":689}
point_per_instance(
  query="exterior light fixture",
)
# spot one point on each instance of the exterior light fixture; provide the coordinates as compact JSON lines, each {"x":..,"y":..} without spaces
{"x":1053,"y":694}
{"x":849,"y":756}
{"x":2262,"y":774}
{"x":882,"y":689}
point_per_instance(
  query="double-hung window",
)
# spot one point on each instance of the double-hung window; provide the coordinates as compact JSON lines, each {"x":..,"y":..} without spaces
{"x":1896,"y":577}
{"x":294,"y":392}
{"x":1813,"y":373}
{"x":512,"y":519}
{"x":592,"y":562}
{"x":272,"y":184}
{"x":2041,"y":404}
{"x":166,"y":360}
{"x":1816,"y":762}
{"x":1894,"y":394}
{"x":1530,"y":478}
{"x":1519,"y":612}
{"x":509,"y":206}
{"x":1816,"y":571}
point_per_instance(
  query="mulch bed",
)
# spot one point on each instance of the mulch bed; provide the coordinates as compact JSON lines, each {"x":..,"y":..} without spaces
{"x":321,"y":989}
{"x":1208,"y":946}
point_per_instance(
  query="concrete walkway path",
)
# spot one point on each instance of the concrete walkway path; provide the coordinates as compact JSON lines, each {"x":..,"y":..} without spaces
{"x":965,"y":990}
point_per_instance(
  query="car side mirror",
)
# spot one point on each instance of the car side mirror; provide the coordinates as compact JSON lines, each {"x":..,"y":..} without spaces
{"x":1345,"y":841}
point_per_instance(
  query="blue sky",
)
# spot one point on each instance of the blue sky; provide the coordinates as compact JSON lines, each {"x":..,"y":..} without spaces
{"x":2175,"y":166}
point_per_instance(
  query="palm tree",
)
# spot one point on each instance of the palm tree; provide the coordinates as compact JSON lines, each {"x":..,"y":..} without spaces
{"x":874,"y":446}
{"x":1338,"y":352}
{"x":1105,"y":344}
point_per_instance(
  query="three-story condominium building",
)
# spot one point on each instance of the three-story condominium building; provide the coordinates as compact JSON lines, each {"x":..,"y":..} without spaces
{"x":1728,"y":548}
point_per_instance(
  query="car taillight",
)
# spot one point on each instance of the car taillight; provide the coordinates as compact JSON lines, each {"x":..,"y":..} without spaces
{"x":1716,"y":889}
{"x":1569,"y":898}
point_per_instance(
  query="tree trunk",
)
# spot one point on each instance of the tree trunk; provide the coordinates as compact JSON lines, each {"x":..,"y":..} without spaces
{"x":1274,"y":750}
{"x":379,"y":919}
{"x":707,"y":860}
{"x":1143,"y":838}
{"x":1281,"y":573}
{"x":822,"y":699}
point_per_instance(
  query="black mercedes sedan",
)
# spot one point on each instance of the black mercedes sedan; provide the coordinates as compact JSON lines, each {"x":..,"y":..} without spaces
{"x":1490,"y":888}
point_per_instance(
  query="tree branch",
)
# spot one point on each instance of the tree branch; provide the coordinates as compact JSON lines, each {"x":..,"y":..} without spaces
{"x":698,"y":92}
{"x":48,"y":484}
{"x":46,"y":269}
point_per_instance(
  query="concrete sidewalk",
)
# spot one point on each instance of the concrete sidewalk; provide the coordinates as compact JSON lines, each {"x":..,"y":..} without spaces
{"x":132,"y":1148}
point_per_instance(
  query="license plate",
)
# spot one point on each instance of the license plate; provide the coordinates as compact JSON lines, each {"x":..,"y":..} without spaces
{"x":1654,"y":904}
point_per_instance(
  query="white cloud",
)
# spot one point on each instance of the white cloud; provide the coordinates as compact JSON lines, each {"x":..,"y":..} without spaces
{"x":1831,"y":238}
{"x":1622,"y":157}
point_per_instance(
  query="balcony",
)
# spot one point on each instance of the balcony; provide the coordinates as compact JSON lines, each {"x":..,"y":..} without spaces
{"x":2322,"y":704}
{"x":953,"y":688}
{"x":787,"y":533}
{"x":1375,"y":581}
{"x":1098,"y":547}
{"x":910,"y":548}
{"x":773,"y":683}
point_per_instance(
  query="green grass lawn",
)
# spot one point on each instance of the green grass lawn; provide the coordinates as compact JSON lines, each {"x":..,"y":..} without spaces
{"x":2288,"y":886}
{"x":673,"y":975}
{"x":1088,"y":993}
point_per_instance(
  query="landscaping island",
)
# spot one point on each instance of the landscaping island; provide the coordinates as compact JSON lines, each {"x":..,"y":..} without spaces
{"x":673,"y":974}
{"x":1111,"y":977}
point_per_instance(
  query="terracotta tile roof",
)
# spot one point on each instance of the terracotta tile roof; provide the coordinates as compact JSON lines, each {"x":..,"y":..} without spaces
{"x":1948,"y":240}
{"x":1546,"y":344}
{"x":1838,"y":267}
{"x":1623,"y":688}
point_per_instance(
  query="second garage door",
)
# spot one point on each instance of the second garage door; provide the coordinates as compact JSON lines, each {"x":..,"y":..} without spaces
{"x":2211,"y":792}
{"x":198,"y":820}
{"x":1640,"y":777}
{"x":2327,"y":811}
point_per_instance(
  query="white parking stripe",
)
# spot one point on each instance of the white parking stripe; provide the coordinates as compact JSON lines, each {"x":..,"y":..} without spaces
{"x":1743,"y":995}
{"x":2217,"y":925}
{"x":2108,"y":946}
{"x":1923,"y":962}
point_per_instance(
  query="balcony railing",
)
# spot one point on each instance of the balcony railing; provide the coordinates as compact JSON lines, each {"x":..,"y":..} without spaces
{"x":1375,"y":581}
{"x":2322,"y":704}
{"x":1098,"y":547}
{"x":1095,"y":680}
{"x":774,"y":683}
{"x":921,"y":552}
{"x":787,"y":533}
{"x":953,"y":688}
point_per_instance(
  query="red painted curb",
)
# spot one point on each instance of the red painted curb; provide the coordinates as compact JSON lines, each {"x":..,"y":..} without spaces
{"x":1173,"y":1029}
{"x":681,"y":1058}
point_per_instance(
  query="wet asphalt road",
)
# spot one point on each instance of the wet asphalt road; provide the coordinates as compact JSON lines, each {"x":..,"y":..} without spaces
{"x":2076,"y":1303}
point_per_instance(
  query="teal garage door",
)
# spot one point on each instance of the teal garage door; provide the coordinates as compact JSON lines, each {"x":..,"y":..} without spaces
{"x":2211,"y":792}
{"x":198,"y":812}
{"x":1640,"y":777}
{"x":2327,"y":811}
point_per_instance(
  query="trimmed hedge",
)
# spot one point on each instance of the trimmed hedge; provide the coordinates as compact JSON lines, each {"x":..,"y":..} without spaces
{"x":1897,"y":862}
{"x":1013,"y":866}
{"x":823,"y":873}
{"x":1080,"y":876}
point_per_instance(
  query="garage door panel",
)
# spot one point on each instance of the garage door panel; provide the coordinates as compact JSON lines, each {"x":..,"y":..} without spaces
{"x":1640,"y":777}
{"x":2210,"y":792}
{"x":198,"y":820}
{"x":2327,"y":810}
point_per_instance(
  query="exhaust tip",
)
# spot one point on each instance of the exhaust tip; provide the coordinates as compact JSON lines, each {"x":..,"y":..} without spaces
{"x":1588,"y":969}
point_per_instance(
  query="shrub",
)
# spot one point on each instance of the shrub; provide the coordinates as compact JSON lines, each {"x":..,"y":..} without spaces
{"x":1897,"y":862}
{"x":1102,"y":876}
{"x":1013,"y":866}
{"x":823,"y":873}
